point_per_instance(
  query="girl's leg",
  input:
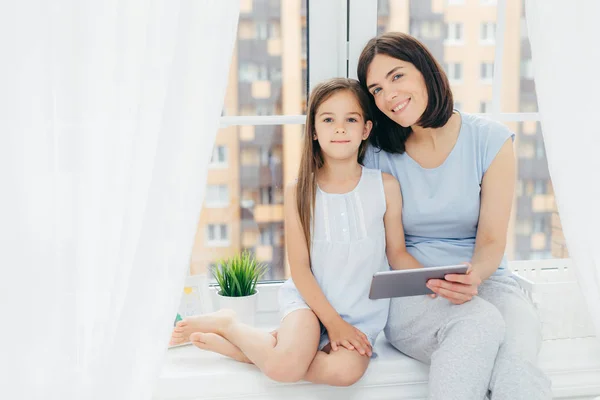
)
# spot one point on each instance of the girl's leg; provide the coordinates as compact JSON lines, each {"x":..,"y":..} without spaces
{"x":337,"y":368}
{"x":285,"y":359}
{"x":516,"y":375}
{"x":218,"y":344}
{"x":459,"y":341}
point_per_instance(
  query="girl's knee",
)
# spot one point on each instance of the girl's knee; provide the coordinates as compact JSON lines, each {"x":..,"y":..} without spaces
{"x":284,"y":370}
{"x":346,"y":376}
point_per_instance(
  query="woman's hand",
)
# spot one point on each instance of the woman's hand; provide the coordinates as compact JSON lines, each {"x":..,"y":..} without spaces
{"x":456,"y":288}
{"x":343,"y":334}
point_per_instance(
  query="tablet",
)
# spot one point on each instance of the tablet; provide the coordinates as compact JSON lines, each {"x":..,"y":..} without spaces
{"x":409,"y":282}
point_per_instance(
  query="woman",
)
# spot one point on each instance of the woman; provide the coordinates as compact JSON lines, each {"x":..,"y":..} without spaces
{"x":457,"y":176}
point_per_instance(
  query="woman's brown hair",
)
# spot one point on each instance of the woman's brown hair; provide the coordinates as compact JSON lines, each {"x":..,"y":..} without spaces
{"x":312,"y":157}
{"x":387,"y":134}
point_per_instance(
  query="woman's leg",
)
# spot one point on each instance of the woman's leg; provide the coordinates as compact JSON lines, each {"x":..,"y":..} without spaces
{"x":337,"y":368}
{"x":516,"y":375}
{"x":459,"y":341}
{"x":285,"y":359}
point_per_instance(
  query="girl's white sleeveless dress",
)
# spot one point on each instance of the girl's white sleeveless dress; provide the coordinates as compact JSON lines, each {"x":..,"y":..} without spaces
{"x":348,"y":247}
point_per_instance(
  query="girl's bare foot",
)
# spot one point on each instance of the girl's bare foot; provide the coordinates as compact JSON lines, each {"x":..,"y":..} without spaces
{"x":208,"y":323}
{"x":218,"y":344}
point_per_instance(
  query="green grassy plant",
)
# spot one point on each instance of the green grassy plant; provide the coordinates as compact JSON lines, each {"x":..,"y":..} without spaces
{"x":237,"y":276}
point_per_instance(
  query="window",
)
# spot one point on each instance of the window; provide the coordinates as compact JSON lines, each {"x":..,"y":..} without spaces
{"x":488,"y":33}
{"x":526,"y":69}
{"x":485,"y":106}
{"x":540,"y":223}
{"x":540,"y":150}
{"x":247,"y":163}
{"x":540,"y":187}
{"x":216,"y":196}
{"x":487,"y":72}
{"x":262,"y":30}
{"x":472,"y":85}
{"x":454,"y":71}
{"x":219,"y":157}
{"x":266,"y":195}
{"x":431,"y":30}
{"x":248,"y":72}
{"x":264,"y":109}
{"x":217,"y":235}
{"x":454,"y":33}
{"x":266,"y":236}
{"x":274,"y":30}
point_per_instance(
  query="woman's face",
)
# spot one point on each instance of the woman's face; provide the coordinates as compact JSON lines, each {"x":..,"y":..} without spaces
{"x":398,"y":89}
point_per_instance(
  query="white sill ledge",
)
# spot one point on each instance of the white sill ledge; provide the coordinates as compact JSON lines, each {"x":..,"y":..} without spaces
{"x":573,"y":365}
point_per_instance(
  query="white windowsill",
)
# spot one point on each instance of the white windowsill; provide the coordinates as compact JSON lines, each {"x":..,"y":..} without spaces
{"x":573,"y":365}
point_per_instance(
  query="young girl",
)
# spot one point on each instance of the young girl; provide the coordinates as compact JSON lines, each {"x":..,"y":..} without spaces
{"x":341,"y":221}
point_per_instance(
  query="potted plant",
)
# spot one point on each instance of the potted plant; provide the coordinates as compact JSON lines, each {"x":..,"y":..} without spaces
{"x":237,"y":277}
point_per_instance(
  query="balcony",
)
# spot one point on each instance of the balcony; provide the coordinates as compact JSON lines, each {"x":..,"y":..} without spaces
{"x":255,"y":176}
{"x":265,"y":136}
{"x":266,"y":213}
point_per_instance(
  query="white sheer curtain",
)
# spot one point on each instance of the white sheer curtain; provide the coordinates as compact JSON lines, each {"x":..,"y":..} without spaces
{"x":566,"y":59}
{"x":108,"y":114}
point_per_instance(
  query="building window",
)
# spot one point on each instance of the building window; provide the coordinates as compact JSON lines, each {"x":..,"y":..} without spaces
{"x":216,"y":196}
{"x":304,"y":45}
{"x":539,"y":224}
{"x":266,"y":195}
{"x":454,"y":33}
{"x":219,"y":157}
{"x":487,"y":72}
{"x":454,"y":71}
{"x":217,"y":235}
{"x":248,"y":72}
{"x":488,"y":33}
{"x":526,"y":69}
{"x":274,"y":30}
{"x":263,"y":73}
{"x":485,"y":106}
{"x":540,"y":151}
{"x":262,"y":30}
{"x":275,"y":74}
{"x":265,"y":155}
{"x":264,"y":109}
{"x":266,"y":236}
{"x":431,"y":30}
{"x":540,"y":187}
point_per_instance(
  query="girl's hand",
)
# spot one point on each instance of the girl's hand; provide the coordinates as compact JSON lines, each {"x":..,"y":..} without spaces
{"x":343,"y":334}
{"x":457,"y":288}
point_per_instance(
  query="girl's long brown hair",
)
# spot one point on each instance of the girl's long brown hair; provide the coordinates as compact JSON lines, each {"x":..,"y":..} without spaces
{"x":312,"y":157}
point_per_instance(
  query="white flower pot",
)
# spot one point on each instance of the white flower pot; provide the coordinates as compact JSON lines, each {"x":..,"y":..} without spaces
{"x":245,"y":307}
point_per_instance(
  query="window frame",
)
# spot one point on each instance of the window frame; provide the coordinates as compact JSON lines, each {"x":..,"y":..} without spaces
{"x":337,"y":32}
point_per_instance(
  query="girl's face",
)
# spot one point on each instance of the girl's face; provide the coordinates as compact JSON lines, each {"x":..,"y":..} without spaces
{"x":340,"y":127}
{"x":398,"y":89}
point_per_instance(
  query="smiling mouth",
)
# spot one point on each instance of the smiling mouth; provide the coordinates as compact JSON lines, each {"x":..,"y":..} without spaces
{"x":400,"y":106}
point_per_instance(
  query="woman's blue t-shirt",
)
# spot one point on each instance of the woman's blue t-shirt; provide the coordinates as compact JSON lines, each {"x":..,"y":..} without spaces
{"x":440,"y":210}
